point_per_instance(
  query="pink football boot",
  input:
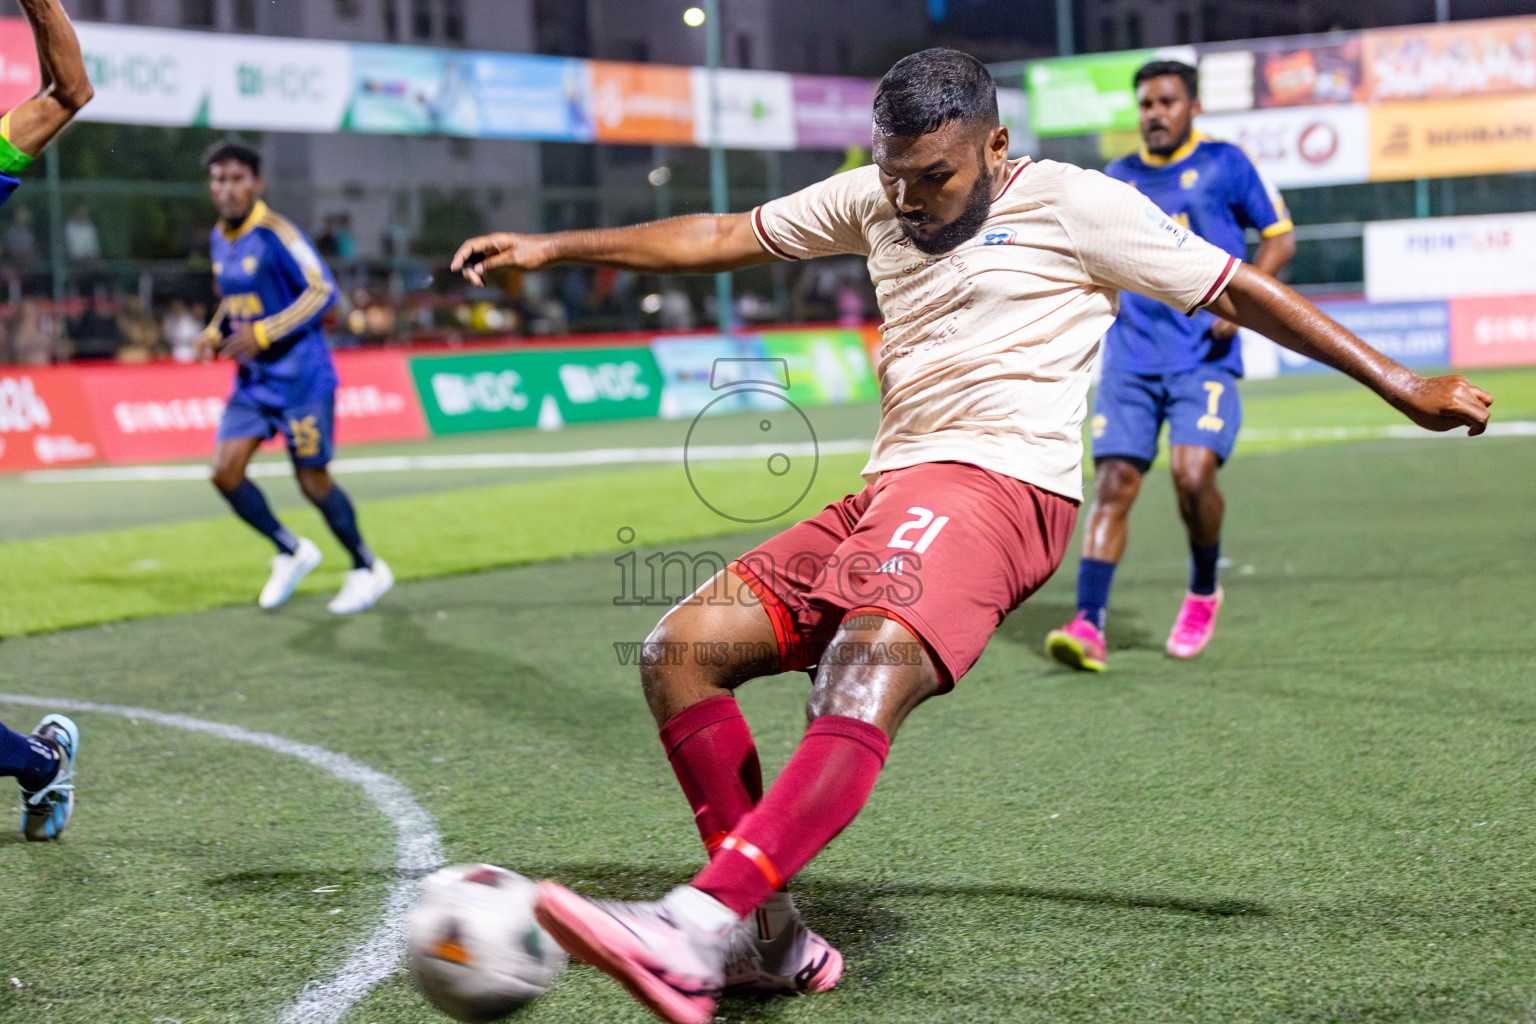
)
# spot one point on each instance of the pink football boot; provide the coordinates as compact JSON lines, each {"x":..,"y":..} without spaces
{"x":1078,"y":644}
{"x":1196,"y":623}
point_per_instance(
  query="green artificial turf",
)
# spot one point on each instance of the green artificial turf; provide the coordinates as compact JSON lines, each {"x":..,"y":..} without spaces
{"x":1328,"y":817}
{"x":78,"y":579}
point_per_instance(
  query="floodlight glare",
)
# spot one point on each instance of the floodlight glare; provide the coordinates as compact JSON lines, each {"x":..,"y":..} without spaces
{"x":693,"y":17}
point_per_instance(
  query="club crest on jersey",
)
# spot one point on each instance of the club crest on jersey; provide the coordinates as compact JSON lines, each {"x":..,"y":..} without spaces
{"x":1188,"y":178}
{"x":997,"y":236}
{"x":249,"y":265}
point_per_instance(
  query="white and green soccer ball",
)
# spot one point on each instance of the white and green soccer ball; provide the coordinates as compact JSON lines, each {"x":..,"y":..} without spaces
{"x":477,"y":953}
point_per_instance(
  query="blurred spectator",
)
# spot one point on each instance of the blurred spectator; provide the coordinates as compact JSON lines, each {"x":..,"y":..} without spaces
{"x":676,"y":309}
{"x":96,"y":334}
{"x":81,"y":242}
{"x":20,"y":240}
{"x":542,"y":313}
{"x":180,"y":328}
{"x":850,"y":304}
{"x":141,"y":332}
{"x":32,"y":340}
{"x":575,"y":293}
{"x":626,"y":296}
{"x":338,"y":239}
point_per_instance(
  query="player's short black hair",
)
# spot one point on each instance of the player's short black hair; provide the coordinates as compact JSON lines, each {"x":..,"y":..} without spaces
{"x":925,"y":91}
{"x":232,"y":149}
{"x":1158,"y":68}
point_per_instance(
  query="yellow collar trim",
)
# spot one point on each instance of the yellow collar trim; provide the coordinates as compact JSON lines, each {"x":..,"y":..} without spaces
{"x":1153,"y":160}
{"x":258,"y":212}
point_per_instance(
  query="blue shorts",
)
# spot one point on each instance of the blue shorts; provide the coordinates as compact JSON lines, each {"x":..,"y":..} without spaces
{"x":1202,"y":407}
{"x":309,"y":428}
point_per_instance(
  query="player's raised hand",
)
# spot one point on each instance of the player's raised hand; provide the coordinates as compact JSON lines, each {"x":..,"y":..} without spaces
{"x":1444,"y":403}
{"x":502,"y":249}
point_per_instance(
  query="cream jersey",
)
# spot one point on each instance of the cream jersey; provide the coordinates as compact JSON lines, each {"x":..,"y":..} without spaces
{"x":988,"y":349}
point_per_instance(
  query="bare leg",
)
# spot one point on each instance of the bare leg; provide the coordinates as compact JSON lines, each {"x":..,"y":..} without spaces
{"x":1200,"y":502}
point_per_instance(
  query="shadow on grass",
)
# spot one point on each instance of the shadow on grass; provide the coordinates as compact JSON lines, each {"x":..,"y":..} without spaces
{"x":863,"y":919}
{"x":1028,"y":624}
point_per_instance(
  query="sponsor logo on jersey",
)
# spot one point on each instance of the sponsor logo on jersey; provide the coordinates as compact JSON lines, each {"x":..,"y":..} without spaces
{"x":997,"y":236}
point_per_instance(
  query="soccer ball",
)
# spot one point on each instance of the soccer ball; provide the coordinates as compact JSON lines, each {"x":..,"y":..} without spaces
{"x":476,"y":951}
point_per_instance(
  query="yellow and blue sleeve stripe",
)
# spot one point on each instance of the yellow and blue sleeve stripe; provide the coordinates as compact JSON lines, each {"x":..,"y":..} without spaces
{"x":315,"y":298}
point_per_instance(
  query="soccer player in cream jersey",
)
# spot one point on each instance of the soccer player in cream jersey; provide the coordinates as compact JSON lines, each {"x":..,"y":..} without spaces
{"x":43,"y":763}
{"x":275,"y":290}
{"x":1162,"y":365}
{"x":997,"y":278}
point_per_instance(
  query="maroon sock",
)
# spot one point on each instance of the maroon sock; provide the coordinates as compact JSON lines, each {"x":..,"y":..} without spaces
{"x":814,"y":798}
{"x":715,"y":760}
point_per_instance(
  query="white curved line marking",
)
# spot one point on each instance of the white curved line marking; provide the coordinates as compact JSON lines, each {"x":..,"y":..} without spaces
{"x":418,"y":850}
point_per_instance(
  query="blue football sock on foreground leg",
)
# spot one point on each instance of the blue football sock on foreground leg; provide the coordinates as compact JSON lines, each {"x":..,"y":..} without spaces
{"x":251,"y":505}
{"x":1093,"y":581}
{"x":1202,"y":569}
{"x":28,"y":758}
{"x":342,"y":517}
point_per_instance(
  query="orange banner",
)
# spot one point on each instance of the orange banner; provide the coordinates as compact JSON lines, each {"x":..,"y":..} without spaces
{"x":641,"y":103}
{"x":1428,"y":62}
{"x":1452,"y":138}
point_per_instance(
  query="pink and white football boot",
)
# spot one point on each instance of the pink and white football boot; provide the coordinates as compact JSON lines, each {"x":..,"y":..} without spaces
{"x":669,"y":955}
{"x":1195,"y":626}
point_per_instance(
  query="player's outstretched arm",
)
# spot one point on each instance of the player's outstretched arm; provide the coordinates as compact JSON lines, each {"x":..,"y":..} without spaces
{"x":1257,"y":301}
{"x":701,"y":244}
{"x":65,"y":87}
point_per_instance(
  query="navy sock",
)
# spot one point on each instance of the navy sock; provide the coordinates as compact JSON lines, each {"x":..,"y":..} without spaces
{"x":338,"y":512}
{"x":28,"y":758}
{"x":1202,"y":569}
{"x":1093,"y":580}
{"x":251,"y":505}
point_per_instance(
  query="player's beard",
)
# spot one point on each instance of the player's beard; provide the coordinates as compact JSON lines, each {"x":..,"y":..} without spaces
{"x":977,"y":206}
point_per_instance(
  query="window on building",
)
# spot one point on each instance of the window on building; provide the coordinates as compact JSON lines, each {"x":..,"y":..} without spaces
{"x":743,"y":50}
{"x":92,"y":10}
{"x":1133,"y":31}
{"x":453,"y":21}
{"x":635,"y":51}
{"x":842,"y":52}
{"x":812,"y":55}
{"x":421,"y":19}
{"x":391,"y":21}
{"x":245,"y":15}
{"x":136,"y":12}
{"x":1182,"y":30}
{"x":347,"y":10}
{"x":197,"y":14}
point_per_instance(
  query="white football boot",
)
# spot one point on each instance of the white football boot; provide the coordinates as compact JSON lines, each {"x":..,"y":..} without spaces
{"x":287,"y":572}
{"x":772,"y":952}
{"x":362,"y":588}
{"x":45,"y":812}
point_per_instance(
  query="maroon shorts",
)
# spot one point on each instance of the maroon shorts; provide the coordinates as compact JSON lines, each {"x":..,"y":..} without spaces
{"x":945,"y":548}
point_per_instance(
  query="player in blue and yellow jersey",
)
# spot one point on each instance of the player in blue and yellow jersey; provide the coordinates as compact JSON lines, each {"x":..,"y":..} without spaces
{"x":275,"y":290}
{"x":1163,"y":366}
{"x":43,"y":762}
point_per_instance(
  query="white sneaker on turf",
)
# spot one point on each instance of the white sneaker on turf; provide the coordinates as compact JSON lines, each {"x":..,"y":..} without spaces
{"x":362,"y":588}
{"x":669,"y":955}
{"x":287,"y":572}
{"x":772,"y":952}
{"x":45,"y":812}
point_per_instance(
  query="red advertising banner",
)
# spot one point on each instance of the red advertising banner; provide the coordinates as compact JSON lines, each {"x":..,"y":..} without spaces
{"x":152,"y":413}
{"x":44,"y":419}
{"x":1496,"y":331}
{"x":19,"y":77}
{"x":377,"y":400}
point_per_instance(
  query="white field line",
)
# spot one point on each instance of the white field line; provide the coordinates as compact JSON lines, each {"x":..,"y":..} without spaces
{"x":697,"y":453}
{"x":1396,"y":431}
{"x":485,"y":460}
{"x":418,"y":850}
